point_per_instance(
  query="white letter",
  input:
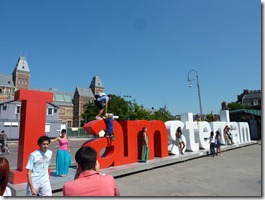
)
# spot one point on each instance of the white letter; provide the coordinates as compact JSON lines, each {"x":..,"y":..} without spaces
{"x":188,"y":131}
{"x":235,"y":132}
{"x":171,"y":127}
{"x":204,"y":134}
{"x":244,"y":133}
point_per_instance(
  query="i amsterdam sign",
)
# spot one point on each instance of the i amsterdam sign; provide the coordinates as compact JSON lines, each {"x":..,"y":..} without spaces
{"x":125,"y":148}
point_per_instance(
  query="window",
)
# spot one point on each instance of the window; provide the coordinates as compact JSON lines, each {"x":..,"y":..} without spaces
{"x":69,"y":123}
{"x":49,"y":111}
{"x":255,"y":102}
{"x":4,"y":106}
{"x":47,"y":128}
{"x":17,"y":111}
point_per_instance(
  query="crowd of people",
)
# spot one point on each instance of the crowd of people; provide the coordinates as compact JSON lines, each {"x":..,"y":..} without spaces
{"x":88,"y":180}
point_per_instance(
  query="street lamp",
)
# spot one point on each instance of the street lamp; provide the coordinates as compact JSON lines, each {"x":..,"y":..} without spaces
{"x":198,"y":86}
{"x":128,"y":96}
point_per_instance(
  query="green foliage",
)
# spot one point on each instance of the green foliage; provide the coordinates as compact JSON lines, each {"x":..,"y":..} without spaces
{"x":236,"y":106}
{"x":163,"y":115}
{"x":91,"y":111}
{"x":126,"y":110}
{"x":209,"y":118}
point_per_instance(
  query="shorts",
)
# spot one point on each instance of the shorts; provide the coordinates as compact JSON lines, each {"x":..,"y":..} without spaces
{"x":180,"y":139}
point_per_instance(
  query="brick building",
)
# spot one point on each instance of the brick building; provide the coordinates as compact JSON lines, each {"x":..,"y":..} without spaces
{"x":70,"y":105}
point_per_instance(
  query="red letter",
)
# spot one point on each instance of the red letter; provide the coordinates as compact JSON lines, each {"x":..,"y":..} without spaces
{"x":32,"y":126}
{"x":114,"y":149}
{"x":127,"y":146}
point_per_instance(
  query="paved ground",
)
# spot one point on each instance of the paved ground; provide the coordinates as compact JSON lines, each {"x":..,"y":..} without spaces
{"x":75,"y":144}
{"x":236,"y":173}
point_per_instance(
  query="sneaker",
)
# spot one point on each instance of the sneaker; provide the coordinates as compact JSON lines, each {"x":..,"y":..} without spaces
{"x":112,"y":137}
{"x":98,"y":118}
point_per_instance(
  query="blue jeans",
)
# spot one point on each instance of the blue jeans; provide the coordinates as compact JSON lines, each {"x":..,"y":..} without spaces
{"x":212,"y":148}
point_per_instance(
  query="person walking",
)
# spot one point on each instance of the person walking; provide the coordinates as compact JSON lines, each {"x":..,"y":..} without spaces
{"x":179,"y":140}
{"x":89,"y":181}
{"x":63,"y":156}
{"x":145,"y":146}
{"x":4,"y":177}
{"x":37,"y":169}
{"x":101,"y":102}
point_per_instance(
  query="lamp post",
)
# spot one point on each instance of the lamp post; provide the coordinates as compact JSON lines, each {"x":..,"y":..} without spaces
{"x":128,"y":96}
{"x":198,"y":86}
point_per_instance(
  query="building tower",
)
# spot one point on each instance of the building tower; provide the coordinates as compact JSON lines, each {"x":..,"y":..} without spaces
{"x":21,"y":74}
{"x":96,"y":85}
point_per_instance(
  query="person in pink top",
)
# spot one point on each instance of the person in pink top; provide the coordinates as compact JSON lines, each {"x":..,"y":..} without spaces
{"x":89,"y":181}
{"x":63,"y":157}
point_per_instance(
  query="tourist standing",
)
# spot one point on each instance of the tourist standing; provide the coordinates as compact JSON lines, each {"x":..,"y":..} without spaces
{"x":218,"y":143}
{"x":145,"y":146}
{"x":37,"y":166}
{"x":179,"y":140}
{"x":226,"y":135}
{"x":212,"y":143}
{"x":63,"y":156}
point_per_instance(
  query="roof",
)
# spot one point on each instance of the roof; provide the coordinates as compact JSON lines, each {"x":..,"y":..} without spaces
{"x":22,"y":65}
{"x":6,"y":80}
{"x":252,"y":96}
{"x":85,"y":92}
{"x":17,"y":101}
{"x":60,"y":98}
{"x":249,"y":111}
{"x":96,"y":82}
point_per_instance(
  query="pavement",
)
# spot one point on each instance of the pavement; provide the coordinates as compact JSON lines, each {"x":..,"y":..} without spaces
{"x":235,"y":174}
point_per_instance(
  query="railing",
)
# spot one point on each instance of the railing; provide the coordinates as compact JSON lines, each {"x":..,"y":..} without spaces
{"x":78,"y":132}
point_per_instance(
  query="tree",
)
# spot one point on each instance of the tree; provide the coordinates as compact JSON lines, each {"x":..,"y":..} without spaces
{"x":126,"y":110}
{"x":236,"y":106}
{"x":163,"y":115}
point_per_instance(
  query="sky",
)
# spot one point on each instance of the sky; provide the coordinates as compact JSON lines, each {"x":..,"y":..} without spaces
{"x":140,"y":48}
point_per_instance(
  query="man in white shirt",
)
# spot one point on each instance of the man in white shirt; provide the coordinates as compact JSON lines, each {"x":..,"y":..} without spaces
{"x":37,"y":166}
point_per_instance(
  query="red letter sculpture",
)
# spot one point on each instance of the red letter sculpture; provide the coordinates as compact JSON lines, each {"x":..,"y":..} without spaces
{"x":32,"y":126}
